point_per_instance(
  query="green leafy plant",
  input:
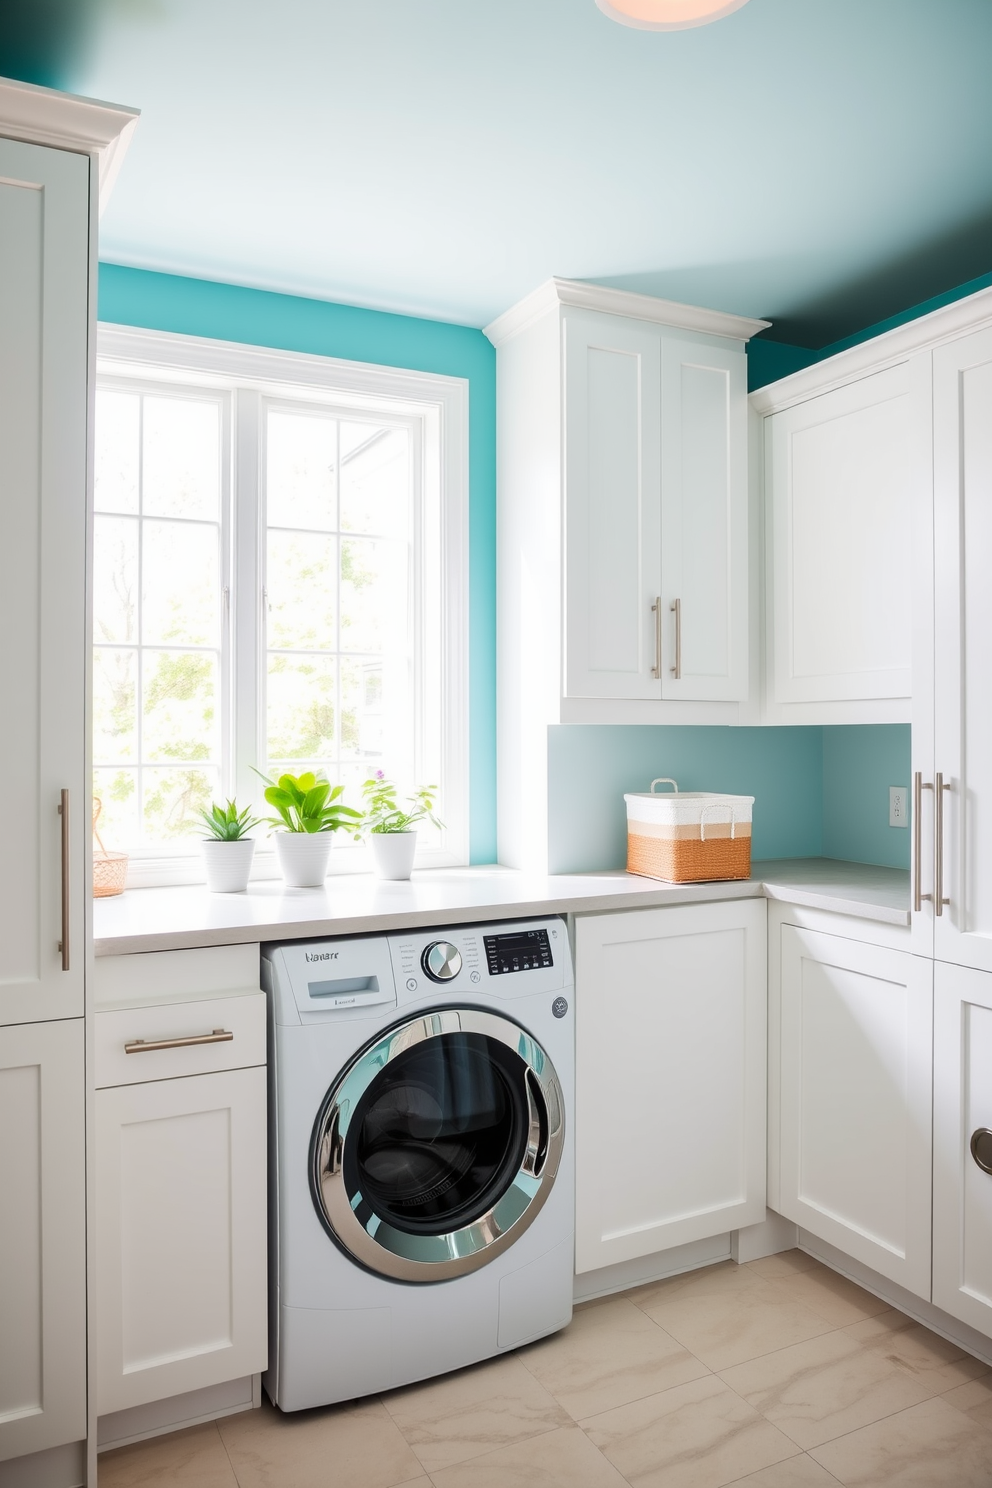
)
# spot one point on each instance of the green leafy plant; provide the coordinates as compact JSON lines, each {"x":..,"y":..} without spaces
{"x":307,"y":803}
{"x":227,"y":823}
{"x":383,"y":812}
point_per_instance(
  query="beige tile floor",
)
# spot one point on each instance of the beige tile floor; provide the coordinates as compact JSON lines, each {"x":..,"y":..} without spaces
{"x":777,"y":1374}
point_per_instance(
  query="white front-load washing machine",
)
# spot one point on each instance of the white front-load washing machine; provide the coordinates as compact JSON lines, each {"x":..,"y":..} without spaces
{"x":421,"y":1159}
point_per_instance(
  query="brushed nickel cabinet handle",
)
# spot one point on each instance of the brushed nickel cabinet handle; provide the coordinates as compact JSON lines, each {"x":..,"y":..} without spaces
{"x":940,"y":785}
{"x":656,"y":612}
{"x":919,"y":786}
{"x":66,"y":883}
{"x":140,"y":1046}
{"x":981,"y":1148}
{"x":677,"y":612}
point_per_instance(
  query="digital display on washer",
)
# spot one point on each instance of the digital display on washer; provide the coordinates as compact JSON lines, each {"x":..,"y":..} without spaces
{"x":522,"y":950}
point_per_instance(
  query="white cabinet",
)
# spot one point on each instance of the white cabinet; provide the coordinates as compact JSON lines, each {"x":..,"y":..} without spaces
{"x":44,"y":320}
{"x":180,"y":1174}
{"x":670,"y":1077}
{"x":42,"y":1238}
{"x":852,"y":1094}
{"x":962,"y":696}
{"x":624,"y":548}
{"x":962,"y":1180}
{"x":839,"y":516}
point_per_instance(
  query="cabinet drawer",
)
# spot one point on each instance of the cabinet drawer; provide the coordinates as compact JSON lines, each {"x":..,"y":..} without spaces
{"x":165,"y":976}
{"x":119,"y":1029}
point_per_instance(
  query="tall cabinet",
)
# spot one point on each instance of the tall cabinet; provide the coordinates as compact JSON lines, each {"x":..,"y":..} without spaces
{"x":53,"y":151}
{"x":624,"y":541}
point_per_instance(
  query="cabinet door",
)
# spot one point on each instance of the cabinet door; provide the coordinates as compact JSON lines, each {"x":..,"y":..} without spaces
{"x":704,"y":527}
{"x":42,"y":1238}
{"x":962,"y":1189}
{"x":839,"y":489}
{"x":670,"y":1078}
{"x":44,"y":228}
{"x":856,"y":1100}
{"x":181,"y":1206}
{"x":612,"y":403}
{"x":962,"y":463}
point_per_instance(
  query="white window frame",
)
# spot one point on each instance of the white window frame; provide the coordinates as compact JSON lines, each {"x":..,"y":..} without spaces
{"x":436,"y":409}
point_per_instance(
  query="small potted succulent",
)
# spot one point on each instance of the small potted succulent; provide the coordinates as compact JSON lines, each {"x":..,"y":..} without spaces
{"x":309,"y":810}
{"x":391,"y":830}
{"x":227,"y":848}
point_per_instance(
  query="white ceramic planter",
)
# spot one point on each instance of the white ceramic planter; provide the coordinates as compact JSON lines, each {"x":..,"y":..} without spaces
{"x":393,"y":853}
{"x":303,"y":858}
{"x":228,"y":864}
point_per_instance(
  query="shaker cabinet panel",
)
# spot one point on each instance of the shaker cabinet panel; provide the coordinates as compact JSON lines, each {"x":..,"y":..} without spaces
{"x":855,"y":1080}
{"x":612,"y":380}
{"x":704,"y":520}
{"x":962,"y":455}
{"x":180,"y":1235}
{"x":670,"y":1077}
{"x":42,"y":1238}
{"x":839,"y":511}
{"x":44,"y":249}
{"x":962,"y":1132}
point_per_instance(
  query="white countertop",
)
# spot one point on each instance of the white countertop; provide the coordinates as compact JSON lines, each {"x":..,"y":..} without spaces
{"x":353,"y":904}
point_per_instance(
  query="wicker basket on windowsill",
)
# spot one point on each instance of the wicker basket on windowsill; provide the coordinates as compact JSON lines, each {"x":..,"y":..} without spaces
{"x":109,"y":868}
{"x":688,"y":836}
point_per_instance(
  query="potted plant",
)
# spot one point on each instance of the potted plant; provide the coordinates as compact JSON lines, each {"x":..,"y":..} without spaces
{"x":309,"y":810}
{"x":390,"y":830}
{"x":227,"y":848}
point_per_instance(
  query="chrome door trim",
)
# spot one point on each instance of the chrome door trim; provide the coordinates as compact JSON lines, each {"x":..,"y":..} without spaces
{"x":397,"y":1254}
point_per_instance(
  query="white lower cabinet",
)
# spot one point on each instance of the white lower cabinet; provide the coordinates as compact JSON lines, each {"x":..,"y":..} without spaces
{"x":42,"y":1237}
{"x":670,"y":1077}
{"x":853,"y":1109}
{"x":962,"y":1135}
{"x":181,"y":1215}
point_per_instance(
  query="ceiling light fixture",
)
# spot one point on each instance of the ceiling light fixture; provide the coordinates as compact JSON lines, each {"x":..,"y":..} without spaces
{"x":667,"y":15}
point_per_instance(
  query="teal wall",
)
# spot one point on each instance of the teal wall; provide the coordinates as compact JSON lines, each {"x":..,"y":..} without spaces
{"x":225,"y":312}
{"x":859,"y":765}
{"x":818,"y":791}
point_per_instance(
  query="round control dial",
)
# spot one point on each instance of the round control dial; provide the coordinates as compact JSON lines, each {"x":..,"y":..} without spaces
{"x":442,"y":961}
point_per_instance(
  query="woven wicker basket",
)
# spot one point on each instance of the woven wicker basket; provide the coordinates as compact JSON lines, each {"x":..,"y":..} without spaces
{"x":688,"y":836}
{"x":109,"y":868}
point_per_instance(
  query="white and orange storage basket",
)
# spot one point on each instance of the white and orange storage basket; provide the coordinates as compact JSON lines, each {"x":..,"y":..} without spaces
{"x":688,"y":836}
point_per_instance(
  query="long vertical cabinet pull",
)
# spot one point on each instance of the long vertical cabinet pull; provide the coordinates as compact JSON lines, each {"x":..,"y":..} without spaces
{"x":656,"y":612}
{"x":919,"y":786}
{"x":677,"y":612}
{"x":939,"y":787}
{"x":64,"y":942}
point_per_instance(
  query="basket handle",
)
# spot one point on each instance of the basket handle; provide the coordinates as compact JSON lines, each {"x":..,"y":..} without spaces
{"x":665,"y":780}
{"x":715,"y":807}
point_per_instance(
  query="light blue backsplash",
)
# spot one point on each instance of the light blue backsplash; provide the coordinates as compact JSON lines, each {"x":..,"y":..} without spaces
{"x":227,"y":312}
{"x":859,"y":765}
{"x":817,"y":790}
{"x":590,"y":766}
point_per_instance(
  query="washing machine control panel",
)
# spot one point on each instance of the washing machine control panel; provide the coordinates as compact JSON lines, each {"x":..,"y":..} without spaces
{"x":441,"y":961}
{"x":520,"y":950}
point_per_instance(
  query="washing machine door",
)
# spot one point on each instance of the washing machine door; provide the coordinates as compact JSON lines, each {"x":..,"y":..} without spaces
{"x":438,"y":1145}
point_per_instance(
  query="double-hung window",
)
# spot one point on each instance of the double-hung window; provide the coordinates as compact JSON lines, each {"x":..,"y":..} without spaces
{"x":280,"y":583}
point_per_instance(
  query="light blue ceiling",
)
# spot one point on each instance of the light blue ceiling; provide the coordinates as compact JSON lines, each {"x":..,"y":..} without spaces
{"x":821,"y":163}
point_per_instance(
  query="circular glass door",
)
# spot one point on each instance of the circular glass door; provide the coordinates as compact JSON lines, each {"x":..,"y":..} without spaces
{"x":438,"y":1145}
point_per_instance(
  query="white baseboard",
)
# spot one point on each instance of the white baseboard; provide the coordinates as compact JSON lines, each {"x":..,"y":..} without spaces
{"x":58,"y":1467}
{"x":771,"y":1237}
{"x":627,"y":1274}
{"x":121,"y":1428}
{"x":934,"y":1318}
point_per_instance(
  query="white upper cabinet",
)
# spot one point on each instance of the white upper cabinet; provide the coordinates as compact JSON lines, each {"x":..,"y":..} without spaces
{"x":962,"y":697}
{"x":838,"y":516}
{"x":44,"y":312}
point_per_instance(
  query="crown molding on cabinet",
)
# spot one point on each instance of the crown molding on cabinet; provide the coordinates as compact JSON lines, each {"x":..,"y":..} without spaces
{"x":973,"y":313}
{"x":554,"y":292}
{"x":40,"y":116}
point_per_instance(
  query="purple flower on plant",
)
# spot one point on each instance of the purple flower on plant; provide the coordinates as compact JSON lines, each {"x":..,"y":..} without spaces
{"x":379,"y":775}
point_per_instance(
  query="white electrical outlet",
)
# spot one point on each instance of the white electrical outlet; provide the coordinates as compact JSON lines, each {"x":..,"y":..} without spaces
{"x":898,"y":805}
